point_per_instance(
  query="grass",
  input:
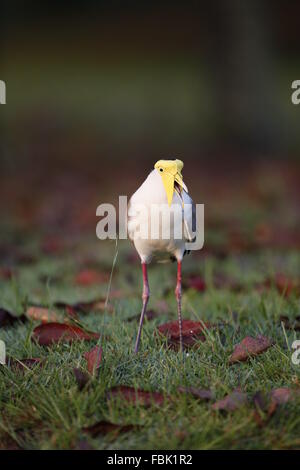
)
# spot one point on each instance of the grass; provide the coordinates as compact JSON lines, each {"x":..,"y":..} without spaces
{"x":43,"y":408}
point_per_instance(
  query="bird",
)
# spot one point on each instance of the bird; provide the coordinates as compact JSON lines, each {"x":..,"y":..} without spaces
{"x":162,"y":194}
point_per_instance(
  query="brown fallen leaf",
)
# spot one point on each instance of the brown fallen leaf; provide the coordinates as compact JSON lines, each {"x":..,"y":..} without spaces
{"x":93,"y":358}
{"x":6,"y":274}
{"x":94,"y":305}
{"x":42,"y":314}
{"x":192,"y":332}
{"x":200,"y":393}
{"x":260,"y":402}
{"x":88,"y":277}
{"x":231,"y":402}
{"x":49,"y":333}
{"x":82,"y":378}
{"x":196,"y":282}
{"x":281,"y":396}
{"x":136,"y":396}
{"x":250,"y":347}
{"x":105,"y":427}
{"x":8,"y":319}
{"x":189,"y":328}
{"x":83,"y":307}
{"x":285,"y":285}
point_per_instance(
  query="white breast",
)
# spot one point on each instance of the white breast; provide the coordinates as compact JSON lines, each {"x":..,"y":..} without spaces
{"x":145,"y":227}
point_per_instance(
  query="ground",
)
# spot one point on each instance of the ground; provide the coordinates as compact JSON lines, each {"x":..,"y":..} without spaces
{"x":237,"y":288}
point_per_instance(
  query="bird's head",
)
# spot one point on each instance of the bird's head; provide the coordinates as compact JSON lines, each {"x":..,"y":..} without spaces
{"x":170,"y":172}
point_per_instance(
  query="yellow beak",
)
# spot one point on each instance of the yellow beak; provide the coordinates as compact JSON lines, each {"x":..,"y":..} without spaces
{"x":171,"y":173}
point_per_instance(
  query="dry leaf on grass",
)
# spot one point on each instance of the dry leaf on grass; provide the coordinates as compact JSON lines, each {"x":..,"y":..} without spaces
{"x":89,"y":277}
{"x":231,"y":402}
{"x":200,"y":393}
{"x":93,"y":358}
{"x":105,"y":427}
{"x":195,"y":282}
{"x":285,"y":285}
{"x":83,"y":307}
{"x":82,"y":378}
{"x":136,"y":396}
{"x":192,"y":331}
{"x":265,"y":406}
{"x":250,"y":347}
{"x":6,"y":274}
{"x":42,"y":314}
{"x":260,"y":402}
{"x":281,"y":396}
{"x":49,"y":333}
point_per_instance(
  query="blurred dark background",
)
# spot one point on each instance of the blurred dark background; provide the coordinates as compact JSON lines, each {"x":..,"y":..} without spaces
{"x":98,"y":91}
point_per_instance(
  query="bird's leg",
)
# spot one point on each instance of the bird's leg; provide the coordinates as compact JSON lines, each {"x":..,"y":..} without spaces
{"x":178,"y":298}
{"x":145,"y":297}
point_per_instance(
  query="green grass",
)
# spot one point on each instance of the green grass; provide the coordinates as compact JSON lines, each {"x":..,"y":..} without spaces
{"x":43,"y":408}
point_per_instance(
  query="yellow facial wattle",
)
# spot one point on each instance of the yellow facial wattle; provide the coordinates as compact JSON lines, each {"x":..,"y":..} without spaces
{"x":170,"y":171}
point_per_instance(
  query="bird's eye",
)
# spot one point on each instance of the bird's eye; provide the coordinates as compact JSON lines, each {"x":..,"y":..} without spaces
{"x":161,"y":169}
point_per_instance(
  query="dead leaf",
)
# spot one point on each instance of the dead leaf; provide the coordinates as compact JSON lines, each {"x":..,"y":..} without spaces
{"x":260,"y":403}
{"x":285,"y":285}
{"x":281,"y":396}
{"x":7,"y":318}
{"x":192,"y":332}
{"x":94,"y":305}
{"x":84,"y":307}
{"x":136,"y":396}
{"x":6,"y":274}
{"x":82,"y":378}
{"x":250,"y":347}
{"x":201,"y":393}
{"x":196,"y":282}
{"x":189,"y":328}
{"x":105,"y":427}
{"x":88,"y":277}
{"x":231,"y":402}
{"x":49,"y":333}
{"x":42,"y":314}
{"x":93,"y":358}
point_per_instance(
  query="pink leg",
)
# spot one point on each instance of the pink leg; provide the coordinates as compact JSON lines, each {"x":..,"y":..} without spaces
{"x":178,"y":298}
{"x":145,"y":297}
